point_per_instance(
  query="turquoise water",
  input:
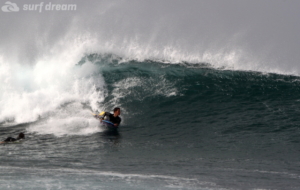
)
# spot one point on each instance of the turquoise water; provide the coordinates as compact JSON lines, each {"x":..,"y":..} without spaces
{"x":184,"y":126}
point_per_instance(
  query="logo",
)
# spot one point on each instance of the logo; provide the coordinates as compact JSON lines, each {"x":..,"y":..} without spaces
{"x":10,"y":7}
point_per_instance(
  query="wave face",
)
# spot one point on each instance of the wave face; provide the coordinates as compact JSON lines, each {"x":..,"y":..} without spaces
{"x":197,"y":103}
{"x":187,"y":93}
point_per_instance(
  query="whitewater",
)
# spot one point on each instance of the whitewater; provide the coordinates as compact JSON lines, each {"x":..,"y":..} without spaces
{"x":209,"y":95}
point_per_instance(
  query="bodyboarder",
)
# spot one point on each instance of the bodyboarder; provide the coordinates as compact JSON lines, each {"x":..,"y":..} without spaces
{"x":114,"y":118}
{"x":10,"y":139}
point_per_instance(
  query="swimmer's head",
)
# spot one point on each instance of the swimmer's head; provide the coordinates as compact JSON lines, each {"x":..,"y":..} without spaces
{"x":117,"y":111}
{"x":21,"y":136}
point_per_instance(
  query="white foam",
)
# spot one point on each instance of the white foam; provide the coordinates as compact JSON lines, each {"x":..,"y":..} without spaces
{"x":41,"y":90}
{"x":67,"y":126}
{"x":148,"y":87}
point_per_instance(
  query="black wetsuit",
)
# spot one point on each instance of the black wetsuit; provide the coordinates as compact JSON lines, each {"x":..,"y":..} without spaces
{"x":10,"y":139}
{"x":110,"y":117}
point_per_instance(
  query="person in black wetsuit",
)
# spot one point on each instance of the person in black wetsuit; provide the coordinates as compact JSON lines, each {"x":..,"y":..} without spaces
{"x":114,"y":118}
{"x":10,"y":139}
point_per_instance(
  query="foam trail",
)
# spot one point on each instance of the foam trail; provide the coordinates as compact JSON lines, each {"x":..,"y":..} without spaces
{"x":71,"y":120}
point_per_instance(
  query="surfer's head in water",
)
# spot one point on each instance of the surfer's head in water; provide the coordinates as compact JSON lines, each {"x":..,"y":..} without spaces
{"x":117,"y":111}
{"x":21,"y":136}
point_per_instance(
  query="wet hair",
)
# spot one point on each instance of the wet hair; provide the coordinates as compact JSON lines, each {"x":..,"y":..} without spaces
{"x":21,"y":136}
{"x":116,"y":109}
